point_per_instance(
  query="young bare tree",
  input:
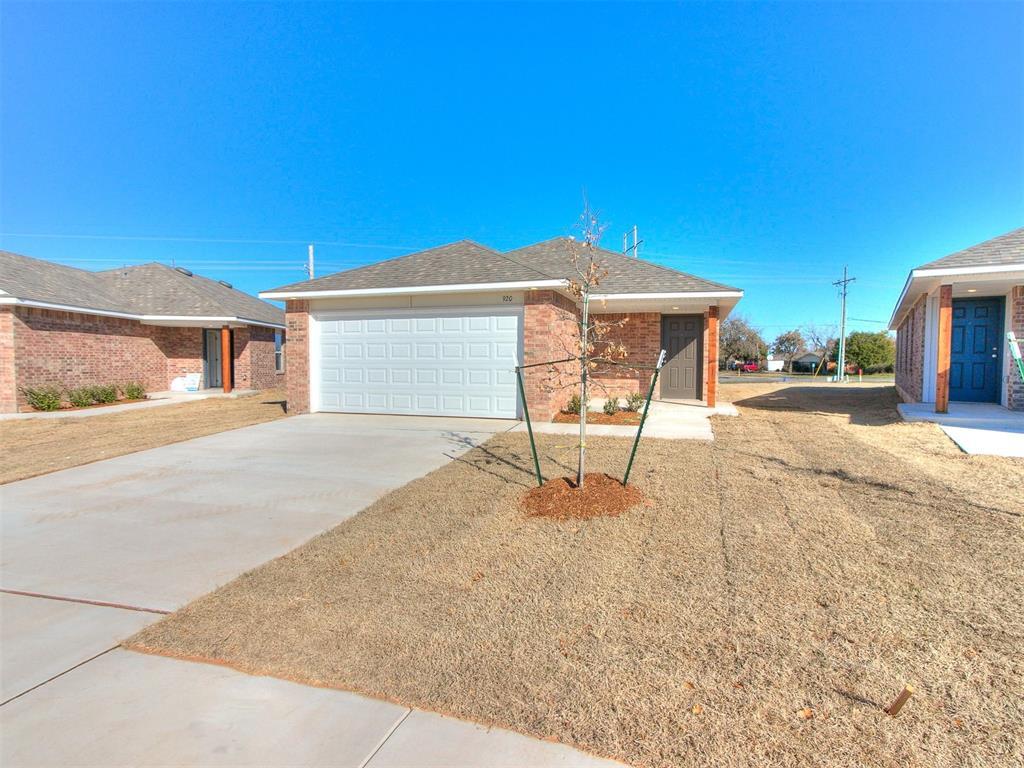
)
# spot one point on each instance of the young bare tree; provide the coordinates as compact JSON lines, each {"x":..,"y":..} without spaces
{"x":820,"y":340}
{"x":591,"y":348}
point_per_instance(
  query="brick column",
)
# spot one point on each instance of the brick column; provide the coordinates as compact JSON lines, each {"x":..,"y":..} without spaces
{"x":944,"y":342}
{"x":1014,"y":386}
{"x":711,"y":375}
{"x":225,"y":358}
{"x":8,"y":380}
{"x":296,"y":356}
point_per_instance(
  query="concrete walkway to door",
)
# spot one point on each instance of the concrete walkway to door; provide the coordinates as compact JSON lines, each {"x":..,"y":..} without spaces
{"x":93,"y":553}
{"x":981,"y":428}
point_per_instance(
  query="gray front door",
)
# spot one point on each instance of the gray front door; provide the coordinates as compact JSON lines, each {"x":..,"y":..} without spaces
{"x":211,"y":358}
{"x":682,"y":338}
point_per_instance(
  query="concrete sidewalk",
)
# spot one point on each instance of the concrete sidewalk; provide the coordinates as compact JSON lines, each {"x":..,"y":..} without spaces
{"x":978,"y":428}
{"x":129,"y":709}
{"x":153,"y":400}
{"x":94,"y":553}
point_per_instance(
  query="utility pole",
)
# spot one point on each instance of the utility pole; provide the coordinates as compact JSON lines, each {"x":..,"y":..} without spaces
{"x":309,"y":263}
{"x":843,"y":286}
{"x":635,"y":247}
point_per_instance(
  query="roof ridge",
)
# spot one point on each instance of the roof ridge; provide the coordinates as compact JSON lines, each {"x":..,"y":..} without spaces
{"x":632,"y":259}
{"x":672,"y":270}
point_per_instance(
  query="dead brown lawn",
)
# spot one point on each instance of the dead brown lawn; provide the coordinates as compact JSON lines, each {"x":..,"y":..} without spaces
{"x":784,"y":585}
{"x":37,"y":446}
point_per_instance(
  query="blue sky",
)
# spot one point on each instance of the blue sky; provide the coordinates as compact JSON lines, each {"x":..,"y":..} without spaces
{"x":761,"y":145}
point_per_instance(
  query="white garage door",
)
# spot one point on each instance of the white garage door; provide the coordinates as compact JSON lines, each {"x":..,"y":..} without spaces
{"x":452,"y":362}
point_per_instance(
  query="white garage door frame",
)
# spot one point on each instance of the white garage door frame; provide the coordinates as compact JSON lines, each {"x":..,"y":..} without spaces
{"x":317,"y":317}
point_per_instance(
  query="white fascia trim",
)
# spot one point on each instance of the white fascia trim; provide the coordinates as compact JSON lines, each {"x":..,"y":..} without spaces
{"x":688,"y":295}
{"x":893,"y":325}
{"x":987,"y":270}
{"x":456,"y":288}
{"x":66,"y":308}
{"x":130,"y":316}
{"x":206,"y":319}
{"x":992,"y":269}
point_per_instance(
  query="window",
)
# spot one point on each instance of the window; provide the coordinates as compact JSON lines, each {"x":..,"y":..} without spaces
{"x":279,"y":351}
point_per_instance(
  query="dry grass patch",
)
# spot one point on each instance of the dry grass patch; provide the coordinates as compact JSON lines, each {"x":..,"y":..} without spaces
{"x":37,"y":446}
{"x":783,"y":585}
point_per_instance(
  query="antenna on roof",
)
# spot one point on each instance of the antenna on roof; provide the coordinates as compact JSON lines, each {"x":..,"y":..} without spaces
{"x":635,"y":247}
{"x":309,"y":263}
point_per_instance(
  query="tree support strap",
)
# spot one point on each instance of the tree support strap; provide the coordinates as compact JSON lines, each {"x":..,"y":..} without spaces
{"x":643,"y":417}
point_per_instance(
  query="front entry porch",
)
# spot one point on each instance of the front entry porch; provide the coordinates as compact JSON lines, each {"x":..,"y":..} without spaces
{"x":978,"y":428}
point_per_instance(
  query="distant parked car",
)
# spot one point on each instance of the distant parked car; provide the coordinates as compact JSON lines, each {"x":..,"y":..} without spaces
{"x":750,"y":367}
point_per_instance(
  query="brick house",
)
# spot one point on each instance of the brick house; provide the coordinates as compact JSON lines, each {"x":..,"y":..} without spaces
{"x":67,"y":327}
{"x":439,"y":332}
{"x":951,"y":322}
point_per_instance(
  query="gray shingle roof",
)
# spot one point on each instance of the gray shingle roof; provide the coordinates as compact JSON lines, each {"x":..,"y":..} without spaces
{"x":148,"y":289}
{"x":466,"y":262}
{"x":1003,"y":250}
{"x":625,"y":273}
{"x":455,"y":263}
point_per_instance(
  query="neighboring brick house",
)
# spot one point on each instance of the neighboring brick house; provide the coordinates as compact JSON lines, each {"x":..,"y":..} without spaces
{"x":439,"y":332}
{"x":951,"y":323}
{"x":67,"y":327}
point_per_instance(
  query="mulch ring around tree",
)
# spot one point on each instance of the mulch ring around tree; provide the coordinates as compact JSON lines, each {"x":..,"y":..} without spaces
{"x":601,"y":496}
{"x":599,"y":417}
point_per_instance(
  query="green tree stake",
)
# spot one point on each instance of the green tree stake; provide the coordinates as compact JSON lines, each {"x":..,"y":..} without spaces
{"x":643,"y":417}
{"x":529,"y":427}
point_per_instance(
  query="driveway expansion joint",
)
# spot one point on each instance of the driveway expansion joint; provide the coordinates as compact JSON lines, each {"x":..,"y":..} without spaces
{"x":85,"y":601}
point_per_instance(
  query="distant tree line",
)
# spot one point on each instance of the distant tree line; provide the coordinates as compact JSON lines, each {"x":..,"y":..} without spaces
{"x":742,"y":342}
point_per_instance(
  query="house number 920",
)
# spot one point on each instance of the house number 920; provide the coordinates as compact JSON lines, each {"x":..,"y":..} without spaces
{"x":507,"y":299}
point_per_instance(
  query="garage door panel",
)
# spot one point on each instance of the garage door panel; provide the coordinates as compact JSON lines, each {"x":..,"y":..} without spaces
{"x":419,"y":362}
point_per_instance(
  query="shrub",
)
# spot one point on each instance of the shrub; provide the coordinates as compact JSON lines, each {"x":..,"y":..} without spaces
{"x":80,"y":397}
{"x":42,"y":398}
{"x":133,"y":391}
{"x":574,"y":404}
{"x":635,"y":402}
{"x":611,"y":406}
{"x":105,"y":394}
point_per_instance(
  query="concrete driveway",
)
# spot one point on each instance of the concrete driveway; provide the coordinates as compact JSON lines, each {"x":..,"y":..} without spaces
{"x":94,"y":553}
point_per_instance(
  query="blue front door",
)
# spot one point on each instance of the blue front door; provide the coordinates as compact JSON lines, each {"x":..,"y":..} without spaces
{"x":975,"y":360}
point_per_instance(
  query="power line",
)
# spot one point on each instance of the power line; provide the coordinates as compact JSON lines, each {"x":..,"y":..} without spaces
{"x":222,"y":240}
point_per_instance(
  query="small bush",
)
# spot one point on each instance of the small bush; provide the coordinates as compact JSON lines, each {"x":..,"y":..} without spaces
{"x":574,"y":404}
{"x":635,"y":402}
{"x":105,"y":394}
{"x":611,"y":406}
{"x":133,"y":391}
{"x":42,"y":398}
{"x":80,"y":397}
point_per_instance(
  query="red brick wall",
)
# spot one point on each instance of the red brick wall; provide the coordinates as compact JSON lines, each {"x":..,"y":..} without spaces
{"x":181,"y":348}
{"x":260,"y":351}
{"x":41,"y":347}
{"x":641,"y":336}
{"x":297,"y":356}
{"x":1015,"y":387}
{"x":910,"y":352}
{"x":550,"y":332}
{"x":67,"y":349}
{"x":8,"y":379}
